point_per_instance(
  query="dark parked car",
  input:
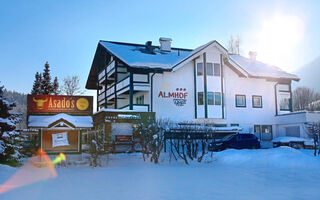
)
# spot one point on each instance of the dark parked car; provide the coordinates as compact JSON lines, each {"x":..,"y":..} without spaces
{"x":236,"y":141}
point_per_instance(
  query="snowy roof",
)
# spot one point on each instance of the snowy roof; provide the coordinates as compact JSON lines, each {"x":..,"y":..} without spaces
{"x":260,"y":69}
{"x":135,"y":55}
{"x":45,"y":121}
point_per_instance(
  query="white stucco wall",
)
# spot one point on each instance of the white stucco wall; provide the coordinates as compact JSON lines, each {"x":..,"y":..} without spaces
{"x":169,"y":82}
{"x":248,"y":116}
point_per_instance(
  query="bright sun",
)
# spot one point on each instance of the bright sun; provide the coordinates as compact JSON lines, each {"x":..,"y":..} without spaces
{"x":279,"y":38}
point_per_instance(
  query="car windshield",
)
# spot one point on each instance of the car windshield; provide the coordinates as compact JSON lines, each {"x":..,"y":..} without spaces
{"x":228,"y":137}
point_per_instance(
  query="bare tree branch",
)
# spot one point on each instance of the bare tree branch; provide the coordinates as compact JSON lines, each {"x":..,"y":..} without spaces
{"x":305,"y":99}
{"x":71,"y":86}
{"x":233,"y":45}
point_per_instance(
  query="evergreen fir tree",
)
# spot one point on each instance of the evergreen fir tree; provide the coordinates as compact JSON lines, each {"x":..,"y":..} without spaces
{"x":46,"y":85}
{"x":40,"y":80}
{"x":36,"y":84}
{"x":8,"y":150}
{"x":56,"y":86}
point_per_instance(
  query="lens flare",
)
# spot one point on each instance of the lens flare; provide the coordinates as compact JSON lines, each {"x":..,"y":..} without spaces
{"x":38,"y":168}
{"x":59,"y":159}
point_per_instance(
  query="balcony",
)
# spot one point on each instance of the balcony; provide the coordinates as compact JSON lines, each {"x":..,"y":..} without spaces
{"x":101,"y":76}
{"x":101,"y":96}
{"x":123,"y":85}
{"x":140,"y":83}
{"x":110,"y":90}
{"x":111,"y":68}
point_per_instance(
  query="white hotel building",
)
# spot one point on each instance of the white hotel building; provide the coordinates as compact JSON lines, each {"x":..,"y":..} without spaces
{"x":203,"y":85}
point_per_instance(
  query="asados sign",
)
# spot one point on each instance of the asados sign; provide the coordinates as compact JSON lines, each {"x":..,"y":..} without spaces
{"x":47,"y":104}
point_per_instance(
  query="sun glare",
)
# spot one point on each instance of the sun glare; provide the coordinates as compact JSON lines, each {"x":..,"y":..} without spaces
{"x":278,"y":39}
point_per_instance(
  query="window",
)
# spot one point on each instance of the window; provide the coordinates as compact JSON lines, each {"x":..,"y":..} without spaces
{"x":200,"y":98}
{"x":266,"y":128}
{"x":209,"y":69}
{"x":234,"y":124}
{"x":214,"y":98}
{"x":240,"y":100}
{"x":210,"y":98}
{"x":256,"y":101}
{"x":199,"y":69}
{"x":212,"y":69}
{"x":217,"y":98}
{"x":216,"y":69}
{"x":285,"y":103}
{"x":140,"y":100}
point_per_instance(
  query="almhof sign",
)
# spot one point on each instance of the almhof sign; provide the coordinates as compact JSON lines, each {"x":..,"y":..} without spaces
{"x":179,"y":96}
{"x":53,"y":104}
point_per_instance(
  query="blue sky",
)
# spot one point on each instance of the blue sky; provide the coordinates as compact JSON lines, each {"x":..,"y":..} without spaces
{"x":66,"y":33}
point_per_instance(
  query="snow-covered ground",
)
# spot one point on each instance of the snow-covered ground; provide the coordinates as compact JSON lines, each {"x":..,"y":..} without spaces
{"x":280,"y":173}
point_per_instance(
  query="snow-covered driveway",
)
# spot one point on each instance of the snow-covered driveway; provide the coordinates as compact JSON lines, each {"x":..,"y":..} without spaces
{"x":281,"y":173}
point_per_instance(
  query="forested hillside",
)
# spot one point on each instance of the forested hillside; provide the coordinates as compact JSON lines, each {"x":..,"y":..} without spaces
{"x":20,"y":100}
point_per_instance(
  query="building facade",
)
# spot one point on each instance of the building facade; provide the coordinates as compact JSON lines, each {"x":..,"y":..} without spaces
{"x":204,"y":85}
{"x":60,"y":120}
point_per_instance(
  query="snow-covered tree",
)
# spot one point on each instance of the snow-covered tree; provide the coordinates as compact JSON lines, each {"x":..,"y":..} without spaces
{"x":151,"y":135}
{"x":96,"y":147}
{"x":36,"y":84}
{"x":8,"y":134}
{"x":56,"y":86}
{"x":42,"y":83}
{"x":46,"y":85}
{"x":313,"y":131}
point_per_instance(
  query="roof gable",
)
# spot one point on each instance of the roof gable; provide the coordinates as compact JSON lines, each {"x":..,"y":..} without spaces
{"x":61,"y":123}
{"x":197,"y":52}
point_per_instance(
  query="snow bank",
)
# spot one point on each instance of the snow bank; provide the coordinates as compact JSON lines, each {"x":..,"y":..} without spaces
{"x":128,"y":177}
{"x":277,"y":157}
{"x":290,"y":139}
{"x":6,"y":168}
